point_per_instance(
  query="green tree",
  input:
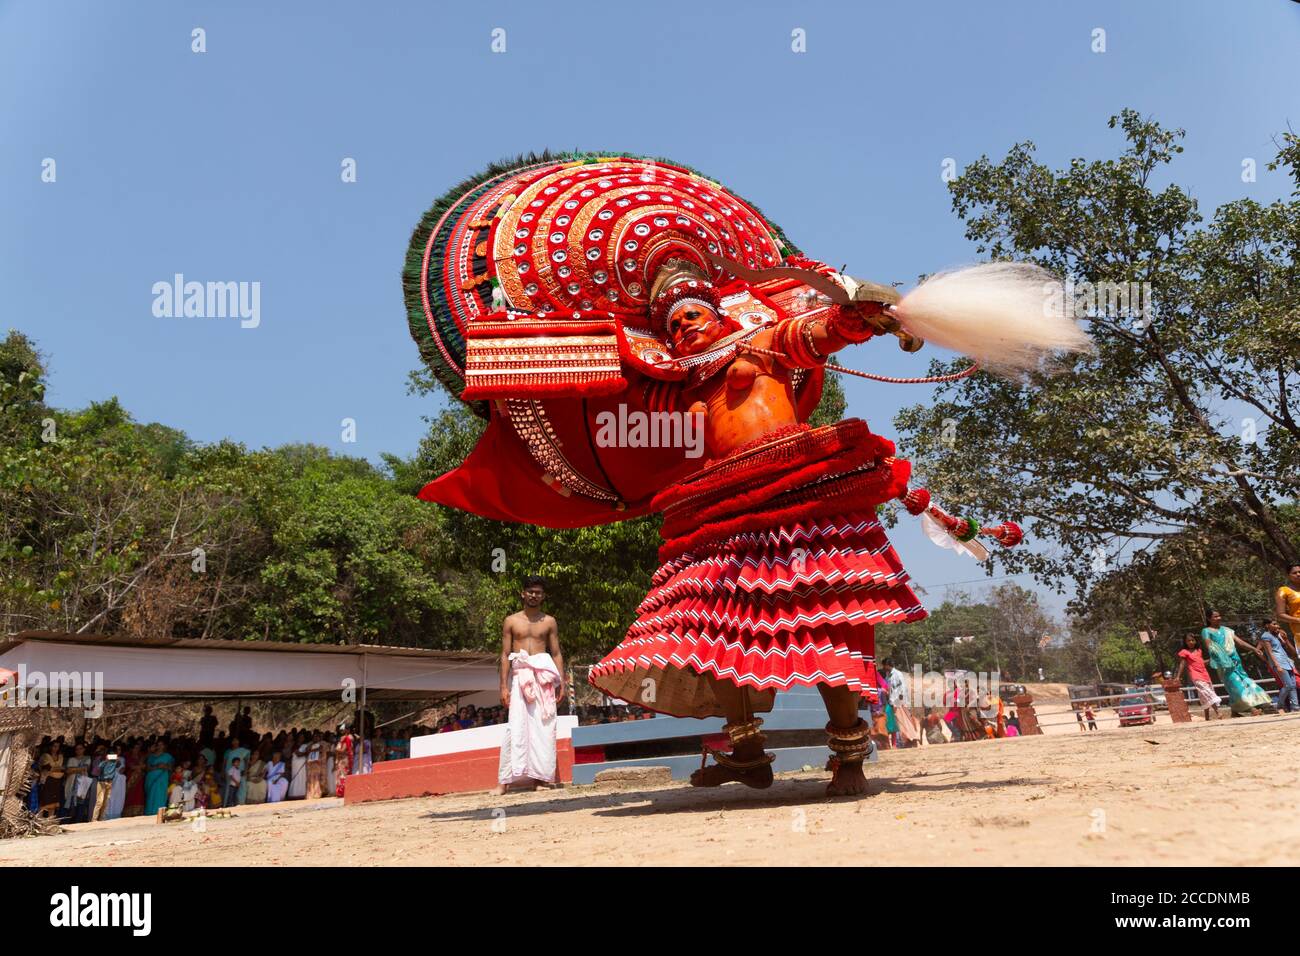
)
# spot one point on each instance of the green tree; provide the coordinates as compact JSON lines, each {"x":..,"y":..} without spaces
{"x":22,"y":391}
{"x":354,"y":561}
{"x":1182,"y":424}
{"x":833,"y":404}
{"x":1166,"y":589}
{"x":955,"y":635}
{"x":1000,"y":632}
{"x":1122,"y":657}
{"x":111,"y":526}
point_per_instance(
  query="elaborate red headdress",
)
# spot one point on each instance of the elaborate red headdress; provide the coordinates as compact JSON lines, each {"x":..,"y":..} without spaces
{"x":529,"y":292}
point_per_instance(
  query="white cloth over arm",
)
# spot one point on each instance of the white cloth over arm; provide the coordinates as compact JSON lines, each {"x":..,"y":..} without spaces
{"x":528,"y":751}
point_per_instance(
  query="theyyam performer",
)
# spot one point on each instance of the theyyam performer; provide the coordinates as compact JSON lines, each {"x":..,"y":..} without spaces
{"x":556,"y":294}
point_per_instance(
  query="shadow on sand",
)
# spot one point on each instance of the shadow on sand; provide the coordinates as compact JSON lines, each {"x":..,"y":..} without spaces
{"x":683,"y":799}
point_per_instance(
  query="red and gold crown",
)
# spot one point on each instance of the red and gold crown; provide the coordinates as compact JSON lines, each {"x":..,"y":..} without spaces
{"x":678,"y":281}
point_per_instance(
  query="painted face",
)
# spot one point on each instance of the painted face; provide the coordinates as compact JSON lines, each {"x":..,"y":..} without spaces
{"x":692,"y":328}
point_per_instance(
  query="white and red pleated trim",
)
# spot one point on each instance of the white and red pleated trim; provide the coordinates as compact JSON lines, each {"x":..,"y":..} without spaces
{"x":795,"y":605}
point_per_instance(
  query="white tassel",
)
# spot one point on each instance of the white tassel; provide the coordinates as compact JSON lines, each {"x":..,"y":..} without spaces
{"x":1007,"y":316}
{"x":941,"y":536}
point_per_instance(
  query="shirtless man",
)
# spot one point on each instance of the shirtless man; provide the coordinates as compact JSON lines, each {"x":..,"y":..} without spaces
{"x":532,"y":684}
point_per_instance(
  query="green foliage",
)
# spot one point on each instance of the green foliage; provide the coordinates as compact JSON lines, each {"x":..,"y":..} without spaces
{"x":22,"y":391}
{"x":1168,"y":588}
{"x":1122,"y":657}
{"x":833,"y":402}
{"x":1001,"y":632}
{"x":1182,"y":423}
{"x":110,"y":525}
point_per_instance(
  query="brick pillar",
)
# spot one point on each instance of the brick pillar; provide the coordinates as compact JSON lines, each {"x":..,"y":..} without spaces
{"x":1178,"y":711}
{"x":1025,"y":711}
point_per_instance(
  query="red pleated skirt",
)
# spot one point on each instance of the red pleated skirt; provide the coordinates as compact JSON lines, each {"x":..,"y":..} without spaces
{"x":775,"y":572}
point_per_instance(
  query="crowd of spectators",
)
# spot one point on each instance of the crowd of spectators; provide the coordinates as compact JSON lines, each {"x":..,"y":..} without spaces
{"x":78,"y":779}
{"x":611,"y":714}
{"x":471,"y":716}
{"x":82,"y":778}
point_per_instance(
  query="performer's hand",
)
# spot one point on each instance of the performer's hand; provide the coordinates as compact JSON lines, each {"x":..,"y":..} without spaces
{"x":505,"y":697}
{"x":864,"y":310}
{"x":559,"y":692}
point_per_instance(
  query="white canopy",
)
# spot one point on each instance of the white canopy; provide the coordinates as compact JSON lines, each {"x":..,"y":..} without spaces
{"x":128,"y":668}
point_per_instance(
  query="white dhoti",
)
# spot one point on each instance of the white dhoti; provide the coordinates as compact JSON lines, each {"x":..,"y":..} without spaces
{"x":528,"y":750}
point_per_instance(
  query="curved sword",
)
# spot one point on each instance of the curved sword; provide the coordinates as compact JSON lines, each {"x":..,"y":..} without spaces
{"x":855,"y":290}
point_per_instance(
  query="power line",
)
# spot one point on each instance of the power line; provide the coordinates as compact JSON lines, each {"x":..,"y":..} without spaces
{"x":999,"y":577}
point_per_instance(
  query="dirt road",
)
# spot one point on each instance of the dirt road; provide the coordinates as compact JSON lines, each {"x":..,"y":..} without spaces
{"x":1135,"y":796}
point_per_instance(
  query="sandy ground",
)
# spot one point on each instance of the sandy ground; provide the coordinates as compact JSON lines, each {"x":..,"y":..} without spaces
{"x":1136,"y":796}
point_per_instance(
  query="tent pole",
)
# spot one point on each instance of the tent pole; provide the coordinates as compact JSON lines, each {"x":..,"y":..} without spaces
{"x":361,"y":743}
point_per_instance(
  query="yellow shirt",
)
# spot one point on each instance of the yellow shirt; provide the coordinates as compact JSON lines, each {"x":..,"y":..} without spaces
{"x":1291,"y":601}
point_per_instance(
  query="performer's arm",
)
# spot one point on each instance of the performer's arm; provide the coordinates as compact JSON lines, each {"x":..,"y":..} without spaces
{"x":505,"y":663}
{"x":553,"y":648}
{"x":1178,"y":674}
{"x":808,"y":342}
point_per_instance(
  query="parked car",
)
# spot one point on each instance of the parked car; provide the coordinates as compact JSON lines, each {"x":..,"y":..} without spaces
{"x":1115,"y":691}
{"x":1008,"y":692}
{"x":1079,"y":691}
{"x":1135,"y":712}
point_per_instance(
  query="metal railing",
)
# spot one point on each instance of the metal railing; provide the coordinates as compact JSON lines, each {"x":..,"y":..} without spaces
{"x":1149,"y":695}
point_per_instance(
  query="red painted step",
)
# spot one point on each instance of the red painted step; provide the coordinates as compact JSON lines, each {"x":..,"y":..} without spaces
{"x":451,"y":773}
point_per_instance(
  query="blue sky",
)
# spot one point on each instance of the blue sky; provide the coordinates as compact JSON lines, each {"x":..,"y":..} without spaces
{"x":225,"y":165}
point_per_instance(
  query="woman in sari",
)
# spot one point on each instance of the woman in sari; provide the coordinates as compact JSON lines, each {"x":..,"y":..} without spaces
{"x":315,"y":767}
{"x":33,"y":801}
{"x":367,"y":755}
{"x":75,"y":770}
{"x":1221,"y":651}
{"x":331,"y":780}
{"x":51,"y":780}
{"x":209,"y":794}
{"x":298,"y":767}
{"x":342,"y":760}
{"x":256,"y":779}
{"x":276,"y":781}
{"x":905,"y":726}
{"x":134,"y":782}
{"x":184,"y":791}
{"x":156,"y":777}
